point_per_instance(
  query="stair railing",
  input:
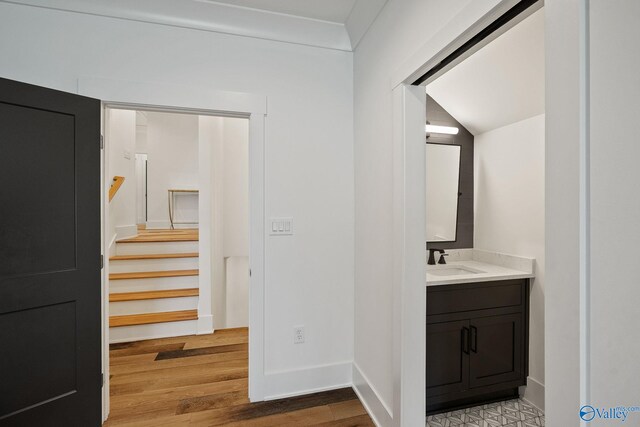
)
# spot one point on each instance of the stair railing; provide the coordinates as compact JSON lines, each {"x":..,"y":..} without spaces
{"x":115,"y":186}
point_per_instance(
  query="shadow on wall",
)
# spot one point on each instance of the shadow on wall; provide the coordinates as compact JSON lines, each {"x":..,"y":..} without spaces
{"x":237,"y":291}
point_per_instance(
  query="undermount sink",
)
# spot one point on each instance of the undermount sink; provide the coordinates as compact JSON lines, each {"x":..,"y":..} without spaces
{"x":453,"y":271}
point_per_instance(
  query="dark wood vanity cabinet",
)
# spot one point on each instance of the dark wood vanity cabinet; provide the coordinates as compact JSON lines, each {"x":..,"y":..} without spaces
{"x":477,"y":342}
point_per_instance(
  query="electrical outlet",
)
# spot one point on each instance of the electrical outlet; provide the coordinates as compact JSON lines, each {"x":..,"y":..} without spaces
{"x":298,"y":334}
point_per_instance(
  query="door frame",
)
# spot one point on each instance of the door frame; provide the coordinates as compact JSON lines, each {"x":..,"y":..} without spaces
{"x":567,"y":144}
{"x":203,"y":101}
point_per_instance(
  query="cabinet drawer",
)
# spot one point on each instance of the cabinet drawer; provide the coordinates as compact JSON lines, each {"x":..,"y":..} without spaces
{"x":475,"y":296}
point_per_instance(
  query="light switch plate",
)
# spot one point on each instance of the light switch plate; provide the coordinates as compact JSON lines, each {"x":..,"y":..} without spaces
{"x":281,"y":226}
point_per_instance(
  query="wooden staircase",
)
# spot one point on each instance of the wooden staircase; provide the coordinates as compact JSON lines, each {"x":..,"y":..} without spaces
{"x":153,"y":282}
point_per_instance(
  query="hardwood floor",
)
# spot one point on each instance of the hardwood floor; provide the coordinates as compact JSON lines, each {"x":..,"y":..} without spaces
{"x":202,"y":381}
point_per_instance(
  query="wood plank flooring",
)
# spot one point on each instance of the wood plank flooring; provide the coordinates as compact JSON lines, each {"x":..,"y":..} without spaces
{"x":202,"y":381}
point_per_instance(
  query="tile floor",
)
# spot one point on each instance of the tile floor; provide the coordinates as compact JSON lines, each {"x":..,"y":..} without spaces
{"x":510,"y":413}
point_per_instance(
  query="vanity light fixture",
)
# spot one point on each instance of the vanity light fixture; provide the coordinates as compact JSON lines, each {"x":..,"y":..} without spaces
{"x":449,"y":130}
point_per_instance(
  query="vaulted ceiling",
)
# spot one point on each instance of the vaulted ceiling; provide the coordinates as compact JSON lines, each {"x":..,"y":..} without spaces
{"x":332,"y":24}
{"x":500,"y":84}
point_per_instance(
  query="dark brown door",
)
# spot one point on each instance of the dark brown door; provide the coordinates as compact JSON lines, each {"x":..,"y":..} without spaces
{"x":50,"y":345}
{"x":447,"y":357}
{"x":496,"y":349}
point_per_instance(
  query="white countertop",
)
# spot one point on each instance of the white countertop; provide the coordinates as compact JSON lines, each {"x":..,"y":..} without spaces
{"x":485,"y":266}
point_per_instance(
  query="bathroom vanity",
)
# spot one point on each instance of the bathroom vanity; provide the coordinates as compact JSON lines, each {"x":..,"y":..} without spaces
{"x":477,"y":328}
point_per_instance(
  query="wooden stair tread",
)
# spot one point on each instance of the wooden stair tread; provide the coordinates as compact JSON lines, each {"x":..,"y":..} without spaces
{"x":147,"y":318}
{"x":145,"y":295}
{"x":154,"y":256}
{"x":163,"y":235}
{"x":153,"y":274}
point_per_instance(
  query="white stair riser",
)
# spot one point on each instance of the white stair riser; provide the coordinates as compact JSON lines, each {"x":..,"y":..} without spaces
{"x":153,"y":330}
{"x":152,"y":306}
{"x":162,"y":264}
{"x":154,"y":284}
{"x":156,"y":248}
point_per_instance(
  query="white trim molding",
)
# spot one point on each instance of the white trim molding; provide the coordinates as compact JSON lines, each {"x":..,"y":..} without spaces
{"x":314,"y":379}
{"x":566,"y":305}
{"x":409,"y":270}
{"x":209,"y":15}
{"x":379,"y":412}
{"x":471,"y":20}
{"x":533,"y":393}
{"x":169,"y":96}
{"x":205,"y":101}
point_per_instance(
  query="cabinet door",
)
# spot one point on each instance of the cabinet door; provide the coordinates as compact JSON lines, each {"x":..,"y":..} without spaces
{"x":447,"y":357}
{"x":497,"y":349}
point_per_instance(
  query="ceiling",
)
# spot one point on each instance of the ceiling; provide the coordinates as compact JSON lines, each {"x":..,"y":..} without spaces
{"x":500,"y":84}
{"x":325,"y":10}
{"x":331,"y":24}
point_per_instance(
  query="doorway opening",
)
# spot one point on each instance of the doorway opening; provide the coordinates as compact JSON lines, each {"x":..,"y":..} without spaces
{"x":491,"y":109}
{"x":420,"y":394}
{"x":177,"y":258}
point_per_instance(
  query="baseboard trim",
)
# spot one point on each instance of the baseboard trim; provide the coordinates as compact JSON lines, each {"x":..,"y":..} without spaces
{"x":298,"y":382}
{"x":533,"y":393}
{"x":205,"y":324}
{"x":124,"y":231}
{"x":381,"y":415}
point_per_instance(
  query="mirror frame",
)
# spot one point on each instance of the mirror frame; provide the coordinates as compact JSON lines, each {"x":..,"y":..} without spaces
{"x":459,"y":193}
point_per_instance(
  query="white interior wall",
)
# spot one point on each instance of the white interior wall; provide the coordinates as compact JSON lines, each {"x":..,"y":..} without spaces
{"x":141,"y":132}
{"x":237,"y":291}
{"x":401,"y":29}
{"x":141,"y":184}
{"x":236,"y":221}
{"x":211,"y":245}
{"x":172,"y":150}
{"x":225,"y":141}
{"x":235,"y":180}
{"x":614,"y":206}
{"x":509,"y":216}
{"x":309,"y":131}
{"x":121,"y":134}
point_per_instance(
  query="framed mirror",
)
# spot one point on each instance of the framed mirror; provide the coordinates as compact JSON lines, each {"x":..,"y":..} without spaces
{"x":443,"y":191}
